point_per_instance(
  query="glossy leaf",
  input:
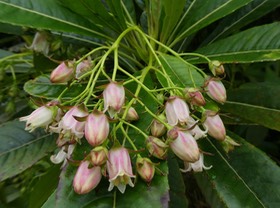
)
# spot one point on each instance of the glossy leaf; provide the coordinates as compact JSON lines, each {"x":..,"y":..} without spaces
{"x":200,"y":14}
{"x":20,"y":149}
{"x":181,"y":73}
{"x":261,"y":115}
{"x":43,"y":88}
{"x":241,"y":17}
{"x":49,"y":15}
{"x":239,"y":178}
{"x":257,"y":44}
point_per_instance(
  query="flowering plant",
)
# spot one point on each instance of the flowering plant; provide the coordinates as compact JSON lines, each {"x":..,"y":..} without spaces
{"x":130,"y":103}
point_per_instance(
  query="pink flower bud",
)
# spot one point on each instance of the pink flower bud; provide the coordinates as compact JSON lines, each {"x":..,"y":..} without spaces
{"x":41,"y":117}
{"x":96,"y":128}
{"x":156,"y":147}
{"x":119,"y":169}
{"x":98,"y":156}
{"x":132,"y":115}
{"x":40,"y":43}
{"x":114,"y":97}
{"x":216,"y":90}
{"x":68,"y":126}
{"x":86,"y":179}
{"x":82,"y":68}
{"x":215,"y":126}
{"x":61,"y":74}
{"x":145,"y":168}
{"x":157,"y":128}
{"x":176,"y":111}
{"x":197,"y":166}
{"x":185,"y":147}
{"x":195,"y":97}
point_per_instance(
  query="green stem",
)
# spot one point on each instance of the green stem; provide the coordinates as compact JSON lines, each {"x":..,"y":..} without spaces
{"x":129,"y":139}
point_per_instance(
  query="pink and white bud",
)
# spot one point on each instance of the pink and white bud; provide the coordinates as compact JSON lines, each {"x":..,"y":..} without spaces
{"x":216,"y":90}
{"x":98,"y":156}
{"x":215,"y":126}
{"x":86,"y":179}
{"x":195,"y":130}
{"x":114,"y":97}
{"x":62,"y":73}
{"x":82,"y":68}
{"x":40,"y":43}
{"x":132,"y":115}
{"x":145,"y":168}
{"x":156,"y":147}
{"x":197,"y":166}
{"x":185,"y":147}
{"x":96,"y":128}
{"x":41,"y":117}
{"x":157,"y":128}
{"x":195,"y":97}
{"x":119,"y":169}
{"x":176,"y":111}
{"x":68,"y":126}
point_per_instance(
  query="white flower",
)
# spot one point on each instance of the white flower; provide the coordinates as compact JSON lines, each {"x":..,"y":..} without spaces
{"x":195,"y":130}
{"x":197,"y":166}
{"x":64,"y":154}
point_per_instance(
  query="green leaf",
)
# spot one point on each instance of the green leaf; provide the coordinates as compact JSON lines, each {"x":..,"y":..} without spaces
{"x":242,"y":17}
{"x":20,"y":149}
{"x":264,"y":116}
{"x":181,"y":73}
{"x":49,"y":15}
{"x":256,"y":44}
{"x":239,"y":178}
{"x":43,"y":88}
{"x":201,"y":13}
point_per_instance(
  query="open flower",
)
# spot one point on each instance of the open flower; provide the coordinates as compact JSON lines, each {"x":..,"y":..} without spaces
{"x":197,"y":166}
{"x":96,"y":128}
{"x":86,"y":178}
{"x":41,"y":117}
{"x":114,"y":97}
{"x":185,"y":146}
{"x":64,"y":154}
{"x":195,"y":130}
{"x":68,"y":126}
{"x":176,"y":111}
{"x":119,"y":169}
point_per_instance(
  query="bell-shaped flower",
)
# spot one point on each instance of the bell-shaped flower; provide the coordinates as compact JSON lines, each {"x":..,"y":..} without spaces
{"x":176,"y":111}
{"x":216,"y":90}
{"x":41,"y":117}
{"x":195,"y":130}
{"x":197,"y":166}
{"x":63,"y":155}
{"x":68,"y":126}
{"x":114,"y":97}
{"x":119,"y":169}
{"x":96,"y":128}
{"x":64,"y":72}
{"x":86,"y":178}
{"x":98,"y":156}
{"x":145,"y":168}
{"x":185,"y":146}
{"x":215,"y":126}
{"x":156,"y":147}
{"x":40,"y":43}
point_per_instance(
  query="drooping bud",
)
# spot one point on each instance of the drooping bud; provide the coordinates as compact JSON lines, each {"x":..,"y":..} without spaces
{"x":114,"y":97}
{"x":132,"y":115}
{"x":62,"y":73}
{"x":98,"y":156}
{"x":197,"y":166}
{"x":40,"y":43}
{"x":86,"y":179}
{"x":185,"y":147}
{"x":215,"y":126}
{"x":216,"y":90}
{"x":145,"y":168}
{"x":176,"y":111}
{"x":216,"y":68}
{"x":157,"y":128}
{"x":195,"y":97}
{"x":41,"y":117}
{"x":82,"y":68}
{"x":119,"y":169}
{"x":156,"y":147}
{"x":96,"y":128}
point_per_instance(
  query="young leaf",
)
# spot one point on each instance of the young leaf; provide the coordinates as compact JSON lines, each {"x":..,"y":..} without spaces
{"x":231,"y":182}
{"x":256,"y":44}
{"x":20,"y":149}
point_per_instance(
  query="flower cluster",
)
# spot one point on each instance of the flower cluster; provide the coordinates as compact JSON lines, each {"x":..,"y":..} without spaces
{"x":102,"y":112}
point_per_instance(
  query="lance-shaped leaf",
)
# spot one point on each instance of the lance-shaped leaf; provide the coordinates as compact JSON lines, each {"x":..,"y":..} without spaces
{"x":254,"y":45}
{"x":20,"y":149}
{"x":240,"y":178}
